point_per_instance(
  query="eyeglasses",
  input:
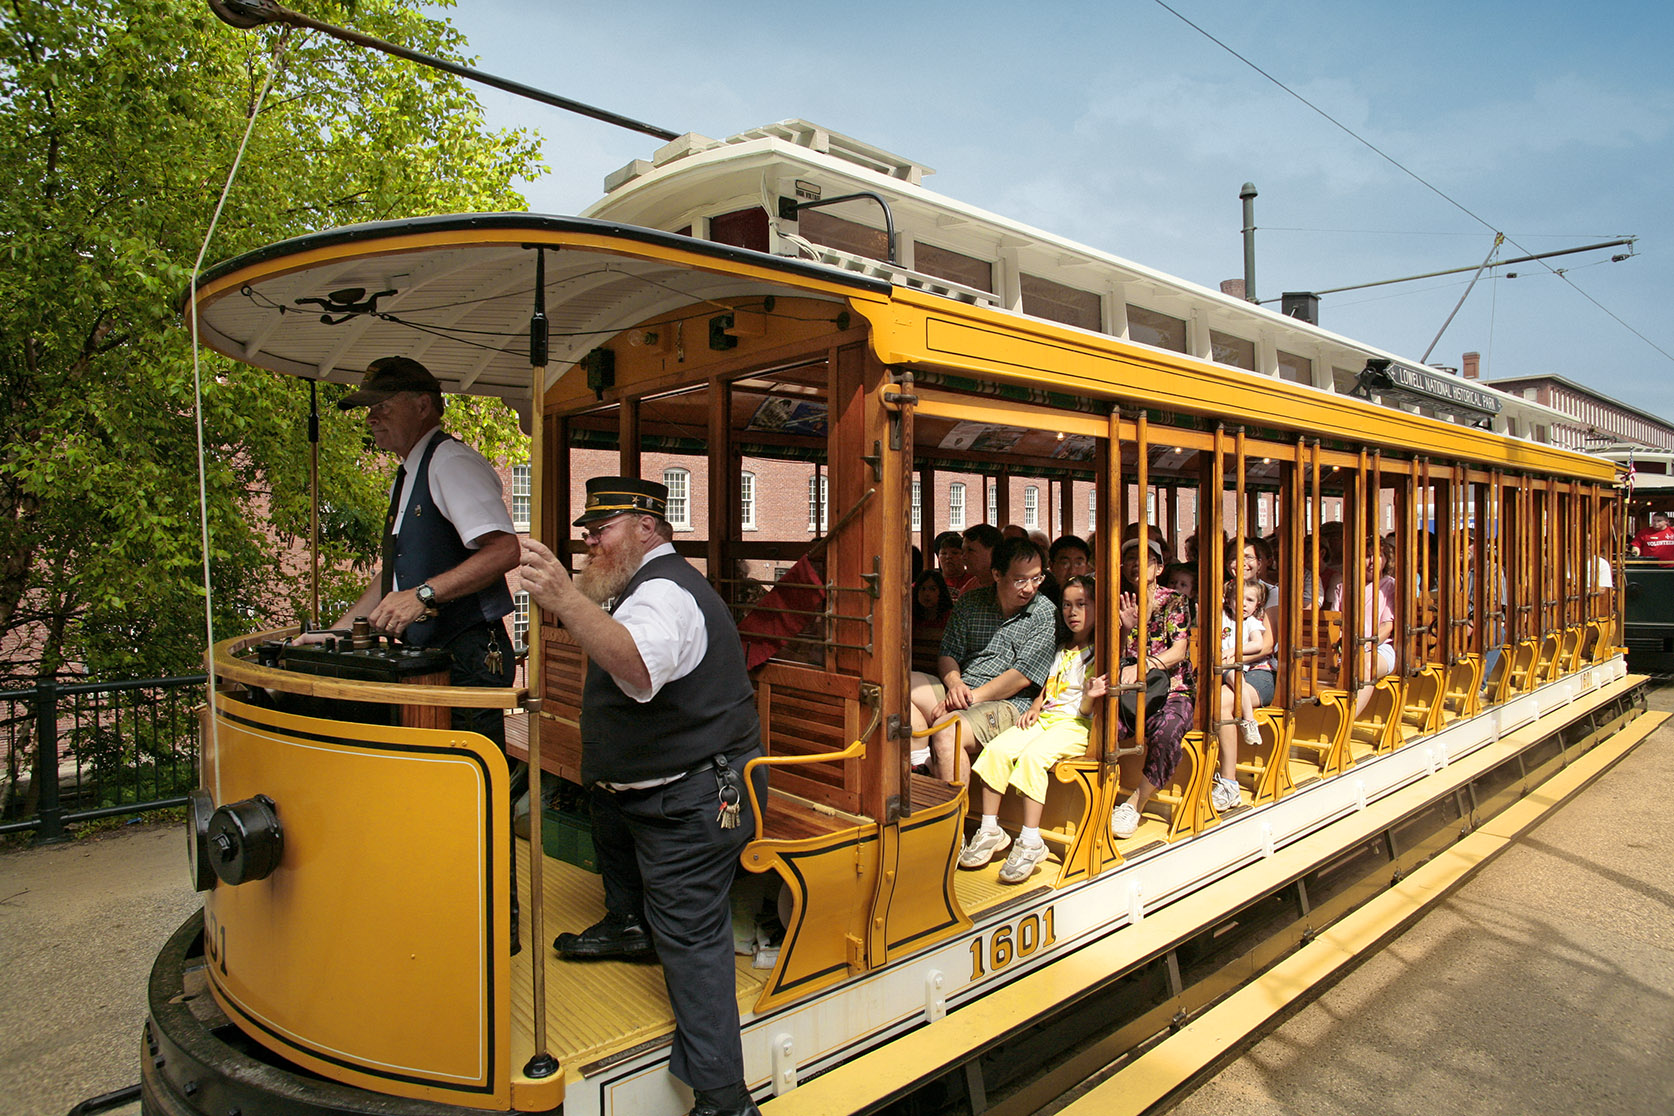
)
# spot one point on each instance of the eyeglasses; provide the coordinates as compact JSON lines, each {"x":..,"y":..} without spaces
{"x":592,"y":535}
{"x":1027,"y":582}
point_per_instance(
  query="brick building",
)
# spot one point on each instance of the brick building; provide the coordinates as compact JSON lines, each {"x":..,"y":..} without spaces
{"x":1601,"y":423}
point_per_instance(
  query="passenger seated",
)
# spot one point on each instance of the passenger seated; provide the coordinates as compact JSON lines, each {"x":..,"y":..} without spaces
{"x":1159,"y":543}
{"x":1258,"y":557}
{"x":995,"y":654}
{"x":1330,"y":563}
{"x":1378,"y":620}
{"x":1182,"y":578}
{"x":1246,"y":640}
{"x":1069,"y":557}
{"x":1053,"y":728}
{"x":1166,"y":648}
{"x":979,"y":543}
{"x":949,"y":549}
{"x":932,"y":604}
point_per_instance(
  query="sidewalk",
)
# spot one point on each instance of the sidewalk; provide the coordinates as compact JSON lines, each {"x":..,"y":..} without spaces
{"x":80,"y":924}
{"x":1544,"y":987}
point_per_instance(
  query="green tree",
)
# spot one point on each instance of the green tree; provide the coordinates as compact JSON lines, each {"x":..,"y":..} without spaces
{"x":119,"y":120}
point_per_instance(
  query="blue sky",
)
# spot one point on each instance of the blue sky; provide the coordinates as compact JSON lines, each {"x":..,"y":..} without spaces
{"x":1118,"y":125}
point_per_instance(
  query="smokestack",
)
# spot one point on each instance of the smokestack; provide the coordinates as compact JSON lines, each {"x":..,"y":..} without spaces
{"x":1473,"y":366}
{"x":1233,"y":287}
{"x":1248,"y":196}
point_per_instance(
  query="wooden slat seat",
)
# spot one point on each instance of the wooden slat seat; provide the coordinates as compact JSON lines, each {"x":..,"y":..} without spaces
{"x":1379,"y":724}
{"x":1601,"y":641}
{"x":1085,"y":819}
{"x":808,"y":719}
{"x":927,"y":648}
{"x":1569,"y":657}
{"x":1421,"y":708}
{"x":1545,"y":666}
{"x":792,"y":819}
{"x":1320,"y":731}
{"x":1462,"y":694}
{"x":1184,"y":791}
{"x":1330,"y":642}
{"x":1521,"y":675}
{"x":1267,"y":765}
{"x":927,"y":790}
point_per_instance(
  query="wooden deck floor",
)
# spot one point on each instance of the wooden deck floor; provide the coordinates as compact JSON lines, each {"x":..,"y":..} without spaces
{"x":594,"y":1009}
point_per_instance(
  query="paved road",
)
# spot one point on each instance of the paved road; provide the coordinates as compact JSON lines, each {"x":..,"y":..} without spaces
{"x":79,"y":927}
{"x":1545,"y":986}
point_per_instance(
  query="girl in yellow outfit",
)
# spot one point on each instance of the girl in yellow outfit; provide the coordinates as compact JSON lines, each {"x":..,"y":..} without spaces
{"x":1053,"y":728}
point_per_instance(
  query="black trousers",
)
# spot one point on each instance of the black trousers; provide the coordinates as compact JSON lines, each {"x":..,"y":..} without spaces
{"x":663,"y":854}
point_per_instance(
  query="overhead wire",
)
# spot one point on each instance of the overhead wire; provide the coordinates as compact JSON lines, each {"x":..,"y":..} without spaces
{"x":1404,"y":169}
{"x":197,"y":365}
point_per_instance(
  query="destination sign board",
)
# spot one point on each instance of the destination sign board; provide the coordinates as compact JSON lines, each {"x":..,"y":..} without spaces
{"x":1417,"y":386}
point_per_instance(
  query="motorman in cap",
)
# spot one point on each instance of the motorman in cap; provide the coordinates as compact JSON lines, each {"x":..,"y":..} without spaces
{"x":448,"y":540}
{"x":668,"y":721}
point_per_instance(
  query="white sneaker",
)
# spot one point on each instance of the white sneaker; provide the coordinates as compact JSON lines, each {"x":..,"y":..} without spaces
{"x":1123,"y":821}
{"x":1021,"y":863}
{"x":1252,"y":733}
{"x":1225,"y":794}
{"x":982,"y":846}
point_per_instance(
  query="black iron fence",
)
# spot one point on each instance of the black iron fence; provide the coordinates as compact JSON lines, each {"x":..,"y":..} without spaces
{"x":77,"y":752}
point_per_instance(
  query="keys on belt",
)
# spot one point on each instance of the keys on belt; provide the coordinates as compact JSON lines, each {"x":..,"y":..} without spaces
{"x":726,"y":787}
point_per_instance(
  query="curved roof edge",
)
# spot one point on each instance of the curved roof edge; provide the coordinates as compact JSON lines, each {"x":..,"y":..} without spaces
{"x":450,"y":222}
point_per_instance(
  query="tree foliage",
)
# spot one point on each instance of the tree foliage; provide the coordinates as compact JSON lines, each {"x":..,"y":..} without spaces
{"x":119,"y":120}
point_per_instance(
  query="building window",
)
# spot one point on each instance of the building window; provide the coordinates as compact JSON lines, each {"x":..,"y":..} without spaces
{"x":956,"y":506}
{"x":1092,"y":509}
{"x":520,"y":621}
{"x":679,"y":502}
{"x":747,"y":501}
{"x":994,"y":505}
{"x":520,"y":497}
{"x":1031,"y":507}
{"x":918,"y":505}
{"x":816,"y":503}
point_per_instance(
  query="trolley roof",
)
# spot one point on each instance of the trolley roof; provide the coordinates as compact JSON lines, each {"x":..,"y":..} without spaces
{"x":457,"y":292}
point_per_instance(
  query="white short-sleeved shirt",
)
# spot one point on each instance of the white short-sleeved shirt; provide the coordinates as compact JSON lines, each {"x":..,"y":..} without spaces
{"x":464,"y":486}
{"x":666,"y":625}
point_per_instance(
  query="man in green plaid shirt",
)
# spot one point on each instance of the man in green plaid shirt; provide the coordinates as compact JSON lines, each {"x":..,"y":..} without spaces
{"x":996,"y":653}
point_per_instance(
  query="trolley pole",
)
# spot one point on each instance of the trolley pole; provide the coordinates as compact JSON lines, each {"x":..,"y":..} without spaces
{"x":542,"y":1064}
{"x":1248,"y":195}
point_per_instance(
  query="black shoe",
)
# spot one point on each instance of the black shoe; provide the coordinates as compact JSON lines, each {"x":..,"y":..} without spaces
{"x":733,"y":1100}
{"x":611,"y":936}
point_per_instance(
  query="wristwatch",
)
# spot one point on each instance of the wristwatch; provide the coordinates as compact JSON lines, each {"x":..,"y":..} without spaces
{"x":426,"y":595}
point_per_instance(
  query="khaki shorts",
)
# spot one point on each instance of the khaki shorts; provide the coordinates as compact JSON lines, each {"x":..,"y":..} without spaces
{"x":986,"y":719}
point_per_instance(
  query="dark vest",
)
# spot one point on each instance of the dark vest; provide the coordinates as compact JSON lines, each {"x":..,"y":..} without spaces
{"x":709,"y":712}
{"x":427,"y":545}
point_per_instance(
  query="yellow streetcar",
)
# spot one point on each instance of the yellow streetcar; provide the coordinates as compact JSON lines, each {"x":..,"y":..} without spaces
{"x":795,"y":298}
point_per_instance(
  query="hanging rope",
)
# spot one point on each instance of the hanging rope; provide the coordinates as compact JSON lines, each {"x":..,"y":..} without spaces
{"x":197,"y":370}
